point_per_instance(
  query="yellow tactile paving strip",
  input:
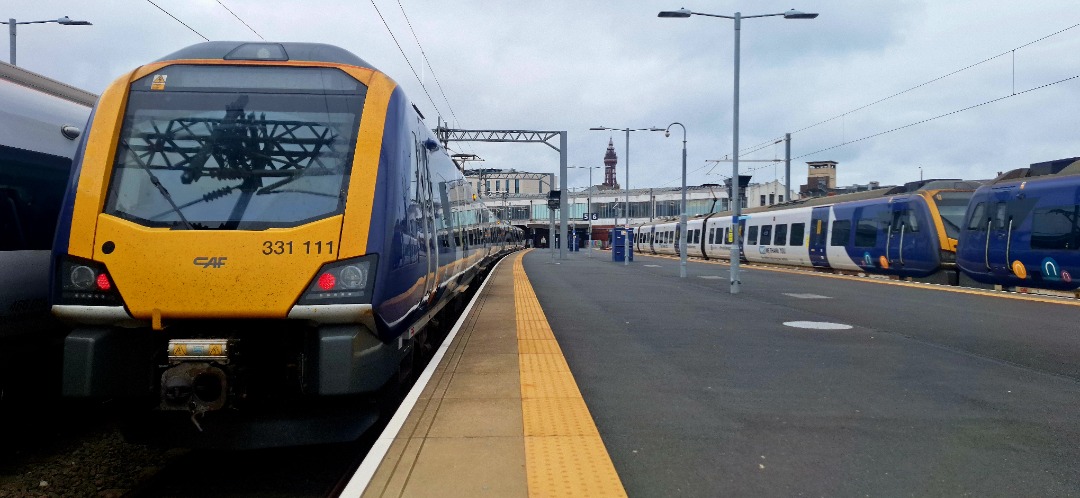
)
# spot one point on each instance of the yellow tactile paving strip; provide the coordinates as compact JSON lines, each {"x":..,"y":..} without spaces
{"x":502,"y":415}
{"x":564,"y":455}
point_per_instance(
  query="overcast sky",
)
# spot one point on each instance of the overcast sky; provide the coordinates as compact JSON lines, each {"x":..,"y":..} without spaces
{"x":575,"y":64}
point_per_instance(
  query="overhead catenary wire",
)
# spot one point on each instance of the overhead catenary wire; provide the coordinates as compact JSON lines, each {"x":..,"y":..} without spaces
{"x":939,"y":78}
{"x":407,"y":61}
{"x":241,"y":20}
{"x":1012,"y":52}
{"x":428,"y":62}
{"x":457,"y":122}
{"x":178,"y":20}
{"x":957,"y":111}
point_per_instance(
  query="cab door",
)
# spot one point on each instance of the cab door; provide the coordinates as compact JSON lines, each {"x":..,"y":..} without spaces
{"x":819,"y":234}
{"x":899,"y":233}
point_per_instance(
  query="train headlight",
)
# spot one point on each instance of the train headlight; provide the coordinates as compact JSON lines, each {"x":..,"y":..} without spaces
{"x":81,"y":277}
{"x":342,"y":282}
{"x":85,"y":282}
{"x":352,"y":277}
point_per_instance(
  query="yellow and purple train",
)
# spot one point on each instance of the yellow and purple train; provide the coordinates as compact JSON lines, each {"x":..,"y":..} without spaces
{"x":260,"y":228}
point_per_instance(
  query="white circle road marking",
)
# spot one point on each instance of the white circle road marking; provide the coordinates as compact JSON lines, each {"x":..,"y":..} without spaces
{"x":818,"y":325}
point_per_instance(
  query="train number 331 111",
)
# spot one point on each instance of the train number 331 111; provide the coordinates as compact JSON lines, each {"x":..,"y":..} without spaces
{"x":271,"y":247}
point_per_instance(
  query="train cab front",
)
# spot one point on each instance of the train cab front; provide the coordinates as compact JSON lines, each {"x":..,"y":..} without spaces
{"x":215,"y":250}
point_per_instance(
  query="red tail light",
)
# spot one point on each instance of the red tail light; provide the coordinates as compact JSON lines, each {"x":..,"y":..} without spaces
{"x":103,"y":282}
{"x":327,"y":281}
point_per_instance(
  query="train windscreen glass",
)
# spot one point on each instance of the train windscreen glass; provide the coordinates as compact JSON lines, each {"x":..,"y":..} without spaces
{"x":236,"y":147}
{"x":952,"y":206}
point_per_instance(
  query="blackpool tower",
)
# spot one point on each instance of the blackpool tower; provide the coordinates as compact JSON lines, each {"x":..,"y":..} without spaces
{"x":609,"y":168}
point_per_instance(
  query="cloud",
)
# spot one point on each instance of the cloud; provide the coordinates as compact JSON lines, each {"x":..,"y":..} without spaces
{"x":570,"y":65}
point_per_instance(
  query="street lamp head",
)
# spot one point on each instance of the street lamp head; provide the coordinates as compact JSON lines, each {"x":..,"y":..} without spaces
{"x":68,"y":22}
{"x":683,"y":12}
{"x":667,"y":133}
{"x":598,"y":128}
{"x":794,"y":14}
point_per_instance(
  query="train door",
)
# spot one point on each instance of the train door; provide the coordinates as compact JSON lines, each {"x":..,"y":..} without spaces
{"x":428,"y":245}
{"x":678,"y":239}
{"x":1004,"y":213}
{"x":899,"y":232}
{"x":819,"y":235}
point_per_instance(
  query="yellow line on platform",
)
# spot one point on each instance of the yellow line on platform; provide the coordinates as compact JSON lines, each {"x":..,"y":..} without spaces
{"x":564,"y":455}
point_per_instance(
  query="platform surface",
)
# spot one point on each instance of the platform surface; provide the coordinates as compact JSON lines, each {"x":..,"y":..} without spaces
{"x":583,"y":377}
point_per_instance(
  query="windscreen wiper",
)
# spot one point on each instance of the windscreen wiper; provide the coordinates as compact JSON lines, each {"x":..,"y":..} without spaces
{"x":157,"y":183}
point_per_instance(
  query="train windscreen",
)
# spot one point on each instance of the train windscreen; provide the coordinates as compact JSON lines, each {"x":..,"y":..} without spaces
{"x":235,"y":147}
{"x":952,"y":206}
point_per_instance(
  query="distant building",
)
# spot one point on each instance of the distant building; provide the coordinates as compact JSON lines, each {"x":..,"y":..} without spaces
{"x":491,"y":181}
{"x":820,"y":179}
{"x":765,"y":194}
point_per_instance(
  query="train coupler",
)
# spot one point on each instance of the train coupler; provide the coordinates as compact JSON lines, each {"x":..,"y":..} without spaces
{"x":194,"y":381}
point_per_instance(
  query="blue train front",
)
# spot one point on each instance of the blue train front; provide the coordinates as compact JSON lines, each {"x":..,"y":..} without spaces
{"x":259,"y":228}
{"x":1023,"y":229}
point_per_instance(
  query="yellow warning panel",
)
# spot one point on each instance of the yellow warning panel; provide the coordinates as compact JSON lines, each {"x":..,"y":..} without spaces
{"x":543,"y":363}
{"x":159,"y":82}
{"x":539,"y":346}
{"x":547,"y":385}
{"x":557,"y":417}
{"x":570,"y":466}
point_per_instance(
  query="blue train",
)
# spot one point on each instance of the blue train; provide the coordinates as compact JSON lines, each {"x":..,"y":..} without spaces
{"x":907,"y":231}
{"x":1023,"y":228}
{"x":260,"y":231}
{"x":40,"y":121}
{"x":1020,"y":230}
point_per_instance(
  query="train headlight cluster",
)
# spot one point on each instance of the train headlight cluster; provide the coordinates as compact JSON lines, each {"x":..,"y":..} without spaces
{"x":86,"y":282}
{"x":342,"y":282}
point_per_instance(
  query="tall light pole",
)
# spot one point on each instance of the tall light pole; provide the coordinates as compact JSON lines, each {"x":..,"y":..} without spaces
{"x":738,"y":17}
{"x":683,"y":244}
{"x":589,"y":208}
{"x":12,"y":24}
{"x":626,"y":257}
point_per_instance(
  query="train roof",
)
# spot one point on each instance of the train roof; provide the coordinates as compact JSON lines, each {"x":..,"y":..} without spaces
{"x":907,"y":188}
{"x":46,"y":85}
{"x":1058,"y":167}
{"x":40,"y":114}
{"x":270,"y":51}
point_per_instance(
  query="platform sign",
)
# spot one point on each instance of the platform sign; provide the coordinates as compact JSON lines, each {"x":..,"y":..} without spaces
{"x":590,"y":216}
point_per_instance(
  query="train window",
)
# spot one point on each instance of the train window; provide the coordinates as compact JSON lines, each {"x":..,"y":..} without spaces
{"x":780,"y":237}
{"x":1056,"y":228}
{"x":751,"y":236}
{"x":866,"y":233}
{"x":912,"y":221}
{"x":697,"y":236}
{"x":31,"y":190}
{"x":1000,"y":215}
{"x":766,"y":235}
{"x":296,"y":172}
{"x":976,"y":221}
{"x":712,"y":236}
{"x":798,"y":230}
{"x":841,"y":232}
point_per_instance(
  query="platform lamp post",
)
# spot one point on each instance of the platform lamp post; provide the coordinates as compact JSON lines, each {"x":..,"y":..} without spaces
{"x":626,"y":256}
{"x":683,"y":238}
{"x":12,"y":25}
{"x":736,"y":212}
{"x":588,"y":210}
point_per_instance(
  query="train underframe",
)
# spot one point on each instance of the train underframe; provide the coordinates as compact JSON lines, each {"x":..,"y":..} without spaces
{"x":246,"y":384}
